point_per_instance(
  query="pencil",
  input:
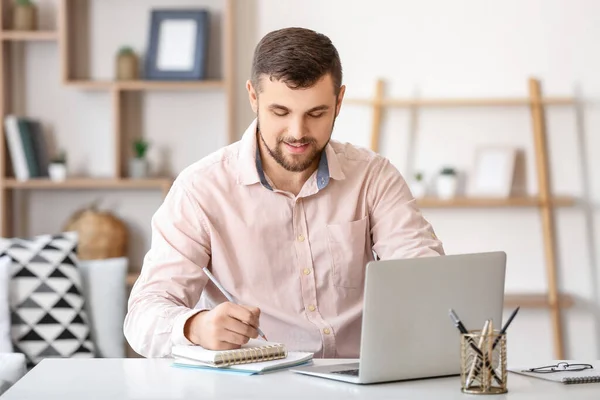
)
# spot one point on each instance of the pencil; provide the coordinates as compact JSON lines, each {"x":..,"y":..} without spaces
{"x":226,"y":294}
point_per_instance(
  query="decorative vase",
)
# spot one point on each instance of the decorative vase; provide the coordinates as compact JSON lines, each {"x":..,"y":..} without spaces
{"x":57,"y":172}
{"x":446,"y":186}
{"x":418,"y":189}
{"x":24,"y":17}
{"x":138,"y":168}
{"x":101,"y":234}
{"x":127,"y":66}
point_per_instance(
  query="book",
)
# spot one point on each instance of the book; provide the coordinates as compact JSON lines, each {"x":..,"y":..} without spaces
{"x":591,"y":375}
{"x":40,"y":146}
{"x":15,"y":147}
{"x":28,"y":147}
{"x":256,"y":356}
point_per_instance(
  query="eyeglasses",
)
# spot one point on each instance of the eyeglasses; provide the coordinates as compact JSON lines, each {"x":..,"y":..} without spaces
{"x":561,"y":366}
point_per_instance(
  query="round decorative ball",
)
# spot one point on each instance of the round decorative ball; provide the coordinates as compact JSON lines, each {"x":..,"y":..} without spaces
{"x":101,"y":234}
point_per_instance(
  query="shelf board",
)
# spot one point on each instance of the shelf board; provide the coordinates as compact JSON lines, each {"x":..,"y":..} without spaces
{"x":29,"y":36}
{"x":142,"y":85}
{"x":536,"y":301}
{"x":90,"y":183}
{"x":449,"y":102}
{"x":131,"y":278}
{"x":458,"y":202}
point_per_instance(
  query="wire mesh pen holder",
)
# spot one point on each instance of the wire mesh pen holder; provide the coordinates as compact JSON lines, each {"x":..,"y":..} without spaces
{"x":483,"y":363}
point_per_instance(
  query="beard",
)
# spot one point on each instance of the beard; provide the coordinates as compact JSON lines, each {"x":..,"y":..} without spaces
{"x":294,"y":162}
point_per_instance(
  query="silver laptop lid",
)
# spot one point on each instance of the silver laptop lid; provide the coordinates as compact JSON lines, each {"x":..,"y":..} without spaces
{"x":406,"y":330}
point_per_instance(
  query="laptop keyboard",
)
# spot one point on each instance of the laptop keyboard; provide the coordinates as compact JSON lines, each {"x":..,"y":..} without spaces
{"x":351,"y":372}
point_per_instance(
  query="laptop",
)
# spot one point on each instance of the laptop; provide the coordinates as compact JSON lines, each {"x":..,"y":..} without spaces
{"x":407,"y":332}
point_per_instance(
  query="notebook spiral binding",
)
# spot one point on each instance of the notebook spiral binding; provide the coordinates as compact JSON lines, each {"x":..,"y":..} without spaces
{"x":582,"y":379}
{"x":250,"y":355}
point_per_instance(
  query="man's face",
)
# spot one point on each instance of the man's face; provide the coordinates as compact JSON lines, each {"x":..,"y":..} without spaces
{"x":295,"y":125}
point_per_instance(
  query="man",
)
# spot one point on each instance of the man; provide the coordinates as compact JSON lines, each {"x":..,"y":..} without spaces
{"x":285,"y":219}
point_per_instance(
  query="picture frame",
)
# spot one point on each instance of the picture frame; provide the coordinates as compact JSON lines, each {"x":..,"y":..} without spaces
{"x":493,"y":172}
{"x":178,"y":44}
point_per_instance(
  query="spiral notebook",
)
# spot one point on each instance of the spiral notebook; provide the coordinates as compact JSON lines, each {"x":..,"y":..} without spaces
{"x":254,"y":356}
{"x":566,"y":377}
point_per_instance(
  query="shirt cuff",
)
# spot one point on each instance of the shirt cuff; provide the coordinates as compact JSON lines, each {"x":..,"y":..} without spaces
{"x":178,"y":334}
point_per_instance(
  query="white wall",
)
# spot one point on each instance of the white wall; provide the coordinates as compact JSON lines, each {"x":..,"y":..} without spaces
{"x":486,"y":49}
{"x":433,"y":48}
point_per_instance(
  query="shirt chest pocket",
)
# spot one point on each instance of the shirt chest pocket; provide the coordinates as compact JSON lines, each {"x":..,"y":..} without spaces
{"x":347,"y":247}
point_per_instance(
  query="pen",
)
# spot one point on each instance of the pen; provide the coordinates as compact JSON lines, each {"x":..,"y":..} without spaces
{"x":222,"y":289}
{"x":505,"y":327}
{"x":502,"y":332}
{"x":458,"y":323}
{"x":484,"y":332}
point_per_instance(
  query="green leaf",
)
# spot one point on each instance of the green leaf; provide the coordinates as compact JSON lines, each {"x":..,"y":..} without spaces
{"x":126,"y":50}
{"x":140,"y":147}
{"x":24,"y":3}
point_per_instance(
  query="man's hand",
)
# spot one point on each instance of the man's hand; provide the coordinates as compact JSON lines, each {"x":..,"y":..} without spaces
{"x":226,"y":327}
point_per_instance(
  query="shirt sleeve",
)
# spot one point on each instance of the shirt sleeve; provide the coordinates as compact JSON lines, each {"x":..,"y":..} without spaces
{"x":398,"y":227}
{"x":171,"y":281}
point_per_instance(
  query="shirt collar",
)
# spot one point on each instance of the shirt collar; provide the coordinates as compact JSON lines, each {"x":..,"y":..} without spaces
{"x":251,"y":168}
{"x":247,"y":170}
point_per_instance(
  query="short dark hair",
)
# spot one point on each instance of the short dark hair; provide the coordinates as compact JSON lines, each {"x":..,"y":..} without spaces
{"x":297,"y":56}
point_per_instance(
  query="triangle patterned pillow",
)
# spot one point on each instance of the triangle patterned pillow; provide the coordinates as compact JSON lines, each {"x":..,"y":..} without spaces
{"x":48,"y":317}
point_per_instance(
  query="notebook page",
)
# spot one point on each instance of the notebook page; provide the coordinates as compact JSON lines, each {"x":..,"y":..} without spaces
{"x":209,"y":356}
{"x":293,"y":359}
{"x":560,"y":375}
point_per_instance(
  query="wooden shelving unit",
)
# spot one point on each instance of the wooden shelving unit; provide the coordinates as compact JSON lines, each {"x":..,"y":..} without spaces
{"x":482,"y":102}
{"x":467,"y":202}
{"x":544,"y":202}
{"x":145,"y":85}
{"x":538,"y":300}
{"x":91,"y":183}
{"x":71,"y":16}
{"x":37,"y":36}
{"x":131,"y":278}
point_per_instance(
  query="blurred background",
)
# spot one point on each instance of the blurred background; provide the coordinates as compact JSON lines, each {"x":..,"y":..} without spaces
{"x":129,"y":106}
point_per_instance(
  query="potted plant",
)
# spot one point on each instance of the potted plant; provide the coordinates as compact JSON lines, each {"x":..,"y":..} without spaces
{"x":138,"y":166}
{"x":24,"y":15}
{"x":57,"y":169}
{"x":446,"y":183}
{"x":127,"y":64}
{"x":418,"y":186}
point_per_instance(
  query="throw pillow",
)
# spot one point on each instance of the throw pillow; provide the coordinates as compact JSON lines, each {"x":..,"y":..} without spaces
{"x":5,"y":343}
{"x":46,"y":300}
{"x":12,"y":368}
{"x":105,"y":290}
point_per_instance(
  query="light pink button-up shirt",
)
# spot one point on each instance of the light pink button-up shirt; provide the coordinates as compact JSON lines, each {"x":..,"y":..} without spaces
{"x":300,"y":259}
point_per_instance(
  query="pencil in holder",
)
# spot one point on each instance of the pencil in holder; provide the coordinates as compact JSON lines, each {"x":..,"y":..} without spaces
{"x":483,"y":363}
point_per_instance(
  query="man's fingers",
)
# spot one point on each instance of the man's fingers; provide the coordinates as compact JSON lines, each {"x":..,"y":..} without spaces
{"x":243,"y":314}
{"x":233,"y":338}
{"x":241,"y":328}
{"x":221,"y":345}
{"x":253,"y":310}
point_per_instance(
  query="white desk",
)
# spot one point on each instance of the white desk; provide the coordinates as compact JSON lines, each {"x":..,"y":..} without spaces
{"x":119,"y":379}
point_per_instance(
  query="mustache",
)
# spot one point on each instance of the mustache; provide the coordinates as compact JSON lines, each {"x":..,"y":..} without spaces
{"x":291,"y":140}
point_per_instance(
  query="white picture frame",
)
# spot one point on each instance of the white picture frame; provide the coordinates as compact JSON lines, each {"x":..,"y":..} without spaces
{"x":493,"y":172}
{"x":178,"y":45}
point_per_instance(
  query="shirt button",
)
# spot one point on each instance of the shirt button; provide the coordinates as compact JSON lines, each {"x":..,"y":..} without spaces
{"x":311,"y":308}
{"x":326,"y":331}
{"x":306,"y":271}
{"x":301,"y":238}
